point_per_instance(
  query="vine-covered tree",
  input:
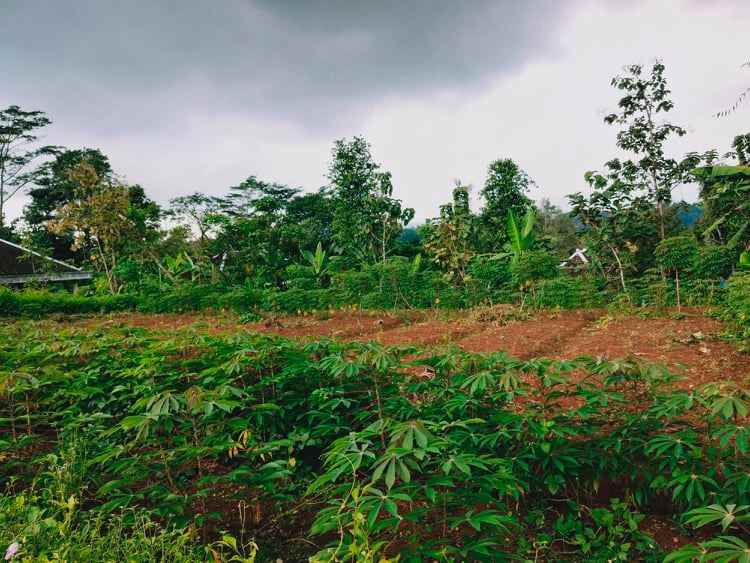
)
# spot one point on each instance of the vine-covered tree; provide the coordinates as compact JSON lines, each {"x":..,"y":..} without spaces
{"x":19,"y":151}
{"x":448,"y":238}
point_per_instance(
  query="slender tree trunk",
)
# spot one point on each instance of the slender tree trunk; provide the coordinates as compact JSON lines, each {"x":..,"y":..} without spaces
{"x":619,"y":267}
{"x":2,"y":204}
{"x":677,"y":289}
{"x":660,"y":209}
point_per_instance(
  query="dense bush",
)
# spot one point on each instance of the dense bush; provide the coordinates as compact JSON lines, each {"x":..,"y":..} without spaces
{"x":738,"y":303}
{"x":394,"y":284}
{"x":298,"y":276}
{"x":535,"y":265}
{"x":569,"y":293}
{"x":652,"y":290}
{"x":715,"y":262}
{"x":490,"y":273}
{"x":37,"y":303}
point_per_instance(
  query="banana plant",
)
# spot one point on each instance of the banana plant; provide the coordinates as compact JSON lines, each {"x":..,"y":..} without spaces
{"x":318,"y":261}
{"x":521,"y":236}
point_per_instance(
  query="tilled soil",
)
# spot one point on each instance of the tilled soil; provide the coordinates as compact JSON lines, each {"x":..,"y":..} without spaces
{"x":689,"y":345}
{"x":539,"y":336}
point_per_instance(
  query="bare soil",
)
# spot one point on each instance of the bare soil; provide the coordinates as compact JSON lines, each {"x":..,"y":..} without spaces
{"x":689,"y":345}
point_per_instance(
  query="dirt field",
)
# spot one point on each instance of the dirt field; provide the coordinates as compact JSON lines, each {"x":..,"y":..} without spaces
{"x":690,"y":345}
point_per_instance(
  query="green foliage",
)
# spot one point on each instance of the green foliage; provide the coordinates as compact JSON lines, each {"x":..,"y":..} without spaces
{"x":714,"y":262}
{"x":448,"y":238}
{"x":367,"y":218}
{"x":737,"y":309}
{"x":725,"y":189}
{"x":535,"y":265}
{"x":298,"y":276}
{"x":395,"y":283}
{"x":677,"y":254}
{"x":168,"y":426}
{"x":504,"y":192}
{"x":521,"y":236}
{"x":568,"y":293}
{"x":556,"y":229}
{"x":39,"y":303}
{"x":490,"y":272}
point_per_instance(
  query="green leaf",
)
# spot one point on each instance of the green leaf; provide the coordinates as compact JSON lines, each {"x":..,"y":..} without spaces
{"x":390,"y":474}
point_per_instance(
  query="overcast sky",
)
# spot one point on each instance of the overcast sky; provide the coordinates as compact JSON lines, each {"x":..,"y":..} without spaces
{"x":196,"y":95}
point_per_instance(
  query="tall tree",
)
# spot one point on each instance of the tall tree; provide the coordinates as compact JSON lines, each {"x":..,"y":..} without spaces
{"x":18,"y":151}
{"x":253,"y":195}
{"x":52,"y":188}
{"x":195,"y":211}
{"x":367,"y":218}
{"x":104,"y":219}
{"x":249,"y":230}
{"x":309,"y":221}
{"x":504,"y":190}
{"x":651,"y":172}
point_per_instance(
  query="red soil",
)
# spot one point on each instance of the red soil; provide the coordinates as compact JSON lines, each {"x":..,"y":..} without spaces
{"x":432,"y":331}
{"x":688,"y":346}
{"x":541,"y":336}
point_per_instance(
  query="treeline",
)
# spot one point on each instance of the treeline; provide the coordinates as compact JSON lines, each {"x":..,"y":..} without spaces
{"x":351,"y":241}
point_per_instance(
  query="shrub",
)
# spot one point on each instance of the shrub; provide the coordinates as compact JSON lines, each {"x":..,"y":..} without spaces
{"x":738,"y":303}
{"x":535,"y":265}
{"x":677,"y":254}
{"x":714,"y":262}
{"x":298,"y":276}
{"x":38,"y":303}
{"x":389,"y":285}
{"x":297,"y":300}
{"x":568,"y":293}
{"x":490,"y":273}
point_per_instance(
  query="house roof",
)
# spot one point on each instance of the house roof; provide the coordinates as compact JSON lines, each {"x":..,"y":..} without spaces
{"x":19,"y":264}
{"x":578,"y":256}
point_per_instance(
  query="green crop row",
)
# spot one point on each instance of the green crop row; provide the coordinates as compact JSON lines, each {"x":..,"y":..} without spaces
{"x":249,"y":444}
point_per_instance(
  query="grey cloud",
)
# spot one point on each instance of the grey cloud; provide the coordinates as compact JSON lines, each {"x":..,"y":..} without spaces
{"x":138,"y":64}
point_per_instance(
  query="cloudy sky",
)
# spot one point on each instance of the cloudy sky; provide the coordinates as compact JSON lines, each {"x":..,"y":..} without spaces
{"x":196,"y":95}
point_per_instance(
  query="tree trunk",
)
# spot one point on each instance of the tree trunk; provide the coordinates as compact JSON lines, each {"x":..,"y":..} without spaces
{"x":660,"y":209}
{"x":619,"y":266}
{"x":677,"y":289}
